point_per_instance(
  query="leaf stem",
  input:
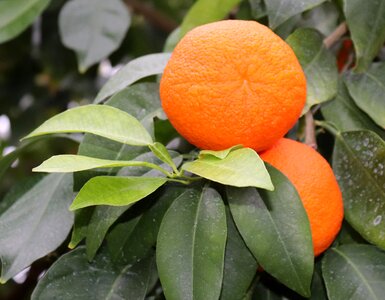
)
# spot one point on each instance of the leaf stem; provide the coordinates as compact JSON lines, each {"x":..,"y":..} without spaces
{"x":328,"y":126}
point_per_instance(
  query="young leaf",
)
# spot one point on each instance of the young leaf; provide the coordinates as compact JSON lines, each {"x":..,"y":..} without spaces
{"x":162,"y":153}
{"x":275,"y":227}
{"x":115,"y":191}
{"x":280,"y":11}
{"x":35,"y":224}
{"x":318,"y":64}
{"x":366,"y":22}
{"x":73,"y":277}
{"x":354,"y":272}
{"x":93,"y":28}
{"x":242,"y":167}
{"x":359,"y":165}
{"x":367,"y":90}
{"x":136,"y":69}
{"x":191,"y":246}
{"x":102,"y":120}
{"x":206,"y":11}
{"x":219,"y":154}
{"x":17,"y":15}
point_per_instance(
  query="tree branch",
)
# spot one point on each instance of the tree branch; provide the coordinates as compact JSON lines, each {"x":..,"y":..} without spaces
{"x":331,"y":39}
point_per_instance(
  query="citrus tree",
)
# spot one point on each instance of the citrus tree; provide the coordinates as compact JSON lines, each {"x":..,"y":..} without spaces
{"x":152,"y":163}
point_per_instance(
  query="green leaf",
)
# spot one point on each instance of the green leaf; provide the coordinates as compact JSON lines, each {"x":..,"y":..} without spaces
{"x":79,"y":231}
{"x":257,"y":9}
{"x":191,"y":246}
{"x":219,"y":154}
{"x":73,"y":277}
{"x":242,"y":167}
{"x":367,"y":90}
{"x":67,"y":163}
{"x":162,"y":153}
{"x":240,"y":265}
{"x":345,"y":114}
{"x":102,"y":120}
{"x":136,"y":69}
{"x":318,"y":63}
{"x":367,"y":28}
{"x":115,"y":191}
{"x":93,"y":28}
{"x":275,"y":227}
{"x":206,"y":11}
{"x":359,"y":165}
{"x":134,"y":239}
{"x":354,"y":272}
{"x":280,"y":11}
{"x":36,"y":224}
{"x":17,"y":15}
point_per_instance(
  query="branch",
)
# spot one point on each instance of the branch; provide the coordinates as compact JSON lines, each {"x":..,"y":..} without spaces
{"x":335,"y":35}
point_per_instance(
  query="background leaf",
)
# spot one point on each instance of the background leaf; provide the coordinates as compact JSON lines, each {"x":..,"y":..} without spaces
{"x":36,"y":224}
{"x":367,"y":29}
{"x":93,"y":28}
{"x":275,"y":227}
{"x":191,"y":246}
{"x":318,"y":64}
{"x":241,"y":167}
{"x":73,"y":277}
{"x":359,"y":162}
{"x":17,"y":15}
{"x":354,"y":272}
{"x":367,"y":90}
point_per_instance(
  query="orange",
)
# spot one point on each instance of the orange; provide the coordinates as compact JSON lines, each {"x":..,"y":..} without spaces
{"x":317,"y":187}
{"x":233,"y":82}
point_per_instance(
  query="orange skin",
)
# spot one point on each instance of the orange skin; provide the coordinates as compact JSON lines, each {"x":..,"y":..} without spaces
{"x":233,"y":82}
{"x":317,"y":187}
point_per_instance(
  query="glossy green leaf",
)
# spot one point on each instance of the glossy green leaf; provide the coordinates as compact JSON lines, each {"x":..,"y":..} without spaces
{"x":346,"y":115}
{"x":367,"y":90}
{"x":162,"y":153}
{"x":35,"y":224}
{"x":136,"y":69}
{"x":359,"y":165}
{"x":275,"y":227}
{"x":241,"y":167}
{"x":93,"y":28}
{"x":219,"y":154}
{"x":240,"y":265}
{"x":102,"y":120}
{"x":17,"y":15}
{"x":366,"y":24}
{"x":115,"y":191}
{"x":280,"y":11}
{"x":191,"y":246}
{"x":73,"y":277}
{"x":318,"y":63}
{"x":354,"y":272}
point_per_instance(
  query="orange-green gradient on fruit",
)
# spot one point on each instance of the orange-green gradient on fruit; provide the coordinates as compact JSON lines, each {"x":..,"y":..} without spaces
{"x":317,"y":187}
{"x":233,"y":82}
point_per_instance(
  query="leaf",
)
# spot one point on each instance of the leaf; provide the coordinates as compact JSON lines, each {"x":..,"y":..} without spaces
{"x":359,"y":162}
{"x":345,"y":115}
{"x":36,"y":224}
{"x":275,"y":227}
{"x":219,"y":154}
{"x":162,"y":153}
{"x":318,"y":63}
{"x":73,"y":277}
{"x":240,"y":265}
{"x":79,"y":231}
{"x":102,"y":120}
{"x":115,"y":191}
{"x":280,"y":11}
{"x":93,"y":28}
{"x":136,"y":69}
{"x":257,"y":9}
{"x":206,"y":11}
{"x":191,"y":246}
{"x":73,"y":163}
{"x":367,"y":29}
{"x":367,"y":90}
{"x":354,"y":272}
{"x":17,"y":15}
{"x":241,"y":167}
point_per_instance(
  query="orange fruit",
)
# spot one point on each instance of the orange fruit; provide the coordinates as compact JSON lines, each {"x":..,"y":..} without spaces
{"x":316,"y":185}
{"x":233,"y":82}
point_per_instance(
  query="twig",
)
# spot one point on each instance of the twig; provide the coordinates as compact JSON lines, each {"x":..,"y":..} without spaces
{"x":156,"y":18}
{"x":310,"y":138}
{"x":331,"y":39}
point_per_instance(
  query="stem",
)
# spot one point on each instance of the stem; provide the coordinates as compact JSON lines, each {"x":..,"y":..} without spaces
{"x":179,"y":180}
{"x":330,"y":40}
{"x":152,"y":166}
{"x":328,"y":126}
{"x":310,"y":138}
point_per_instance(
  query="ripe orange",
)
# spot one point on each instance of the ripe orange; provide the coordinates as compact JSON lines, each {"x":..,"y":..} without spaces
{"x":233,"y":82}
{"x":317,"y":187}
